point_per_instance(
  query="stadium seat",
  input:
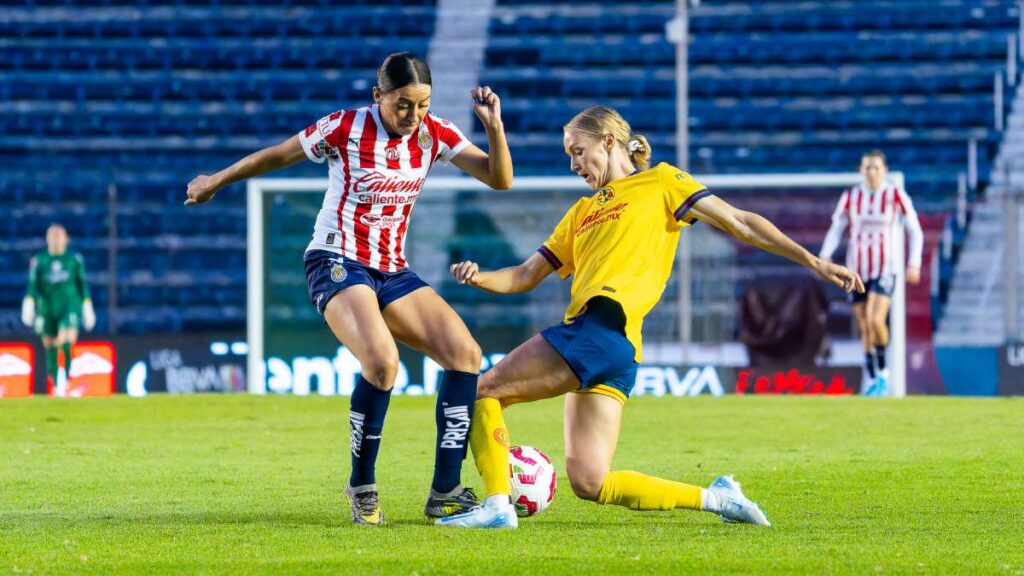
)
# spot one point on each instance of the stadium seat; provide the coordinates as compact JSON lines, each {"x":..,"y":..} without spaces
{"x":140,"y":97}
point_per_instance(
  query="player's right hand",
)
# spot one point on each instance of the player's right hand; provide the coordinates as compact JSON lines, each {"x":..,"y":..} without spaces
{"x":88,"y":315}
{"x":200,"y":190}
{"x":28,"y":311}
{"x":466,"y":273}
{"x":841,"y":276}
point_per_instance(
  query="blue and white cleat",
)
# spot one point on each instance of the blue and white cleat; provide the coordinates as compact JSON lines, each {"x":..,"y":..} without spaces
{"x":486,"y":516}
{"x":881,"y":388}
{"x":734,"y":506}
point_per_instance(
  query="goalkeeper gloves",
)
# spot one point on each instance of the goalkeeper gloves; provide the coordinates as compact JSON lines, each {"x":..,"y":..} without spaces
{"x":28,"y":311}
{"x":88,"y":315}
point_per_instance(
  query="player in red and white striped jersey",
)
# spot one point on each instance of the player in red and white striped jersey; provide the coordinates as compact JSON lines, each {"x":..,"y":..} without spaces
{"x":375,"y":179}
{"x":872,"y":211}
{"x":356,"y":266}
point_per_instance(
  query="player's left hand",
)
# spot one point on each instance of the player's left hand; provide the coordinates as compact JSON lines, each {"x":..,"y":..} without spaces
{"x":840,"y":276}
{"x":201,"y":189}
{"x":913,"y":275}
{"x":88,"y":316}
{"x":28,"y":311}
{"x":466,"y":272}
{"x":487,"y":106}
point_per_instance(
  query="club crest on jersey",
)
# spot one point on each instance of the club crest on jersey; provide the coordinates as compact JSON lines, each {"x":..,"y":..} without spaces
{"x":426,"y":141}
{"x":605,"y":195}
{"x":391,"y":154}
{"x":323,"y":149}
{"x":338,"y":272}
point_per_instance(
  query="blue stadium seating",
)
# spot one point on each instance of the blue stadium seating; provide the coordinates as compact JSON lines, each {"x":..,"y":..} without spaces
{"x":774,"y":86}
{"x":97,"y":92}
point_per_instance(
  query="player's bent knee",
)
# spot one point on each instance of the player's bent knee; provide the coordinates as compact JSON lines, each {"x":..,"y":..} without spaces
{"x":878,"y":330}
{"x":381,"y":370}
{"x":868,"y":328}
{"x":586,"y":481}
{"x":466,"y":357}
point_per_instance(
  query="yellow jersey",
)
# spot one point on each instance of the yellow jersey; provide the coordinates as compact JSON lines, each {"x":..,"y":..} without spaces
{"x":620,"y":243}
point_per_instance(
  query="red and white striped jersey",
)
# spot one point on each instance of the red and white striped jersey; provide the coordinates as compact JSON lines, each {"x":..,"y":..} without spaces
{"x":872,"y":217}
{"x":374,"y":181}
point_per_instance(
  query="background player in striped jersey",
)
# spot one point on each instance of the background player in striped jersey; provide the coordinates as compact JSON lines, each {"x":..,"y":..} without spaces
{"x":618,"y":245}
{"x":378,"y":157}
{"x":872,"y":210}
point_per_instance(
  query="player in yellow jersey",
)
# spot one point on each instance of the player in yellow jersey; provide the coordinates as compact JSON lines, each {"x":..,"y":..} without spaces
{"x":618,"y":245}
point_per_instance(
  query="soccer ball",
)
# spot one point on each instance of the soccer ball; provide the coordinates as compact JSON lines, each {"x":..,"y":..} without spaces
{"x":533,"y":480}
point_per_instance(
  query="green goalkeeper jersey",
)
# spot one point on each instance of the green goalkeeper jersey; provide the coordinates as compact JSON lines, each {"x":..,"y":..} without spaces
{"x":57,"y":283}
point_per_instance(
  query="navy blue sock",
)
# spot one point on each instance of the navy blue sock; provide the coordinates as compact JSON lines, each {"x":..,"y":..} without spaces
{"x":880,"y":356}
{"x":453,"y":415}
{"x":366,"y":421}
{"x":869,"y":362}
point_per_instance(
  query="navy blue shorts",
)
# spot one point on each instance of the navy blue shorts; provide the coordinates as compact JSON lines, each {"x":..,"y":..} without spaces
{"x":328,"y":273}
{"x":596,"y":348}
{"x":884,"y":285}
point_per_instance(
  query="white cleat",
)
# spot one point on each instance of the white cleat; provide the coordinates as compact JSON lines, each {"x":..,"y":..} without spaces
{"x":734,"y":506}
{"x":485,"y":516}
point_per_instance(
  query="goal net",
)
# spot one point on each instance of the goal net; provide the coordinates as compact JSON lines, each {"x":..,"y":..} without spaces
{"x":699,"y":321}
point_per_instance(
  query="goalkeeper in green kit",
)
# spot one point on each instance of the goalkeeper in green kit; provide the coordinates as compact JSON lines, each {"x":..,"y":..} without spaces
{"x":57,"y":301}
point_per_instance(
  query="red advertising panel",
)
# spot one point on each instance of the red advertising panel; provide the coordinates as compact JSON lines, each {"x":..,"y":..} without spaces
{"x":92,"y":371}
{"x":16,"y":369}
{"x":801,"y":380}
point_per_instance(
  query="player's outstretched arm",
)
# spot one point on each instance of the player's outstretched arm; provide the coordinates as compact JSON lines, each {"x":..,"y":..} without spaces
{"x":202,"y":188}
{"x":510,"y":280}
{"x":757,"y":231}
{"x":493,"y":167}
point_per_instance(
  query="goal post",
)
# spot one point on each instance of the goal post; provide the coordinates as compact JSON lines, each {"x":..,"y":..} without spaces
{"x":458,"y":216}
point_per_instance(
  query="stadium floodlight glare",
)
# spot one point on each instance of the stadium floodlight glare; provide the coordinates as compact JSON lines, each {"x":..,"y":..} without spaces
{"x":447,"y":189}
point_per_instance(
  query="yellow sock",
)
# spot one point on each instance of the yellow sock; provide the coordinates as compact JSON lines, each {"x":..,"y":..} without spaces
{"x":642,"y":492}
{"x":489,"y":439}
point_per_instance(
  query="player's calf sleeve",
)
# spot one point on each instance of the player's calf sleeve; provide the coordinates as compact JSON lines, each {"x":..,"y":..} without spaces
{"x":65,"y":349}
{"x":453,"y":415}
{"x":642,"y":492}
{"x":369,"y":405}
{"x":489,"y":439}
{"x":880,"y":357}
{"x":51,"y":364}
{"x":869,"y":363}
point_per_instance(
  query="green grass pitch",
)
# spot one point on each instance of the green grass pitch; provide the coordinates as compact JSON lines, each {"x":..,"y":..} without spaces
{"x":250,"y":485}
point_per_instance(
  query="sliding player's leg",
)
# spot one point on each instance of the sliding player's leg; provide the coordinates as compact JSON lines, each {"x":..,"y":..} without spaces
{"x":533,"y":371}
{"x":592,"y":421}
{"x":422,"y":320}
{"x":354,"y":317}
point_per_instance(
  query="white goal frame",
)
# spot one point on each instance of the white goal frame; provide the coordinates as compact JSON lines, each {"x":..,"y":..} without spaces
{"x":256,"y":376}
